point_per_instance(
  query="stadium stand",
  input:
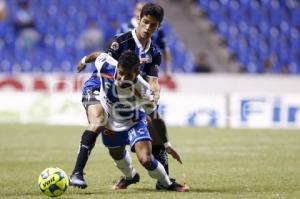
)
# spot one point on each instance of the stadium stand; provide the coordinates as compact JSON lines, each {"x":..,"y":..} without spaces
{"x":59,"y":25}
{"x":264,"y":36}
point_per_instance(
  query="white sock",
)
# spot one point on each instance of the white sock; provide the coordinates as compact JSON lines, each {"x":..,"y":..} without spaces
{"x":160,"y":174}
{"x":125,"y":165}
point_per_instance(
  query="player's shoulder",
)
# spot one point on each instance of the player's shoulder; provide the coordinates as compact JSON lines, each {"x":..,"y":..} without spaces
{"x":106,"y":63}
{"x":106,"y":58}
{"x":120,"y":41}
{"x":124,"y":37}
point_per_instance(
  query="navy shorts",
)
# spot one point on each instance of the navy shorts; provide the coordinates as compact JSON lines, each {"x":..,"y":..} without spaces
{"x":138,"y":132}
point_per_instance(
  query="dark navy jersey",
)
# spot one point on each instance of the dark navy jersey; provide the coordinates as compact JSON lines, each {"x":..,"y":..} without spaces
{"x":150,"y":56}
{"x":158,"y":37}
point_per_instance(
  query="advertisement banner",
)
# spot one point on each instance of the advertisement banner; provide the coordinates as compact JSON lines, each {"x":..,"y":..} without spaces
{"x":187,"y":109}
{"x":255,"y":110}
{"x":177,"y":109}
{"x":34,"y":107}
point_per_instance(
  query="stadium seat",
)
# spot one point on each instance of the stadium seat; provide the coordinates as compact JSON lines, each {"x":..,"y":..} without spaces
{"x":60,"y":24}
{"x":265,"y":28}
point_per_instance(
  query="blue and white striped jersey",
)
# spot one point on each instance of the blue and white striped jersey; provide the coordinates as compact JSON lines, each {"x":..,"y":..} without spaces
{"x":124,"y":107}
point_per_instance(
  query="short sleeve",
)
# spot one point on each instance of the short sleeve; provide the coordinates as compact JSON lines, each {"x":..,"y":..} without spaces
{"x":114,"y":48}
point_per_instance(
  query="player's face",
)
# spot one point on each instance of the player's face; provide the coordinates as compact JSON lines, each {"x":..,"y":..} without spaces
{"x":147,"y":26}
{"x":125,"y":78}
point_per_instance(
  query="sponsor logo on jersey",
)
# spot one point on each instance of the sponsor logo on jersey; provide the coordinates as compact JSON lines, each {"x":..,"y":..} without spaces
{"x":146,"y":60}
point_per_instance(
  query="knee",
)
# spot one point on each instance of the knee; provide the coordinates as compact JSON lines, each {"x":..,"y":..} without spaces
{"x":96,"y":124}
{"x":145,"y":160}
{"x":116,"y":154}
{"x":96,"y":128}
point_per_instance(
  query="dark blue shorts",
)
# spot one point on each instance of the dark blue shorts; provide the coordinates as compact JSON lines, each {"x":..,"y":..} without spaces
{"x":130,"y":137}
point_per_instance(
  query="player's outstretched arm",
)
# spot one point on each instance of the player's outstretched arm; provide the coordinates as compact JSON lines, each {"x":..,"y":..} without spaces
{"x":155,"y":87}
{"x":170,"y":150}
{"x":87,"y":59}
{"x":168,"y":59}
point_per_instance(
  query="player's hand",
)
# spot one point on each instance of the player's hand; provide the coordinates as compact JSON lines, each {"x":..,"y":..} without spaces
{"x":170,"y":150}
{"x":80,"y":67}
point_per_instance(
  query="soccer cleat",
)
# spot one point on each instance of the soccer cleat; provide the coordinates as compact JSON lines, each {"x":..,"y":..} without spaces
{"x":77,"y":180}
{"x":124,"y":183}
{"x":177,"y":187}
{"x":159,"y":186}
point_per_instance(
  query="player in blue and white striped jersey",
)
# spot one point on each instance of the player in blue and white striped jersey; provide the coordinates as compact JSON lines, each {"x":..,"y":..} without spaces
{"x":125,"y":99}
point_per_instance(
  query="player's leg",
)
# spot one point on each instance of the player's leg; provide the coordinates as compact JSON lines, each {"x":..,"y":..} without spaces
{"x":116,"y":142}
{"x":123,"y":162}
{"x":155,"y":127}
{"x":140,"y":141}
{"x":96,"y":117}
{"x":154,"y":167}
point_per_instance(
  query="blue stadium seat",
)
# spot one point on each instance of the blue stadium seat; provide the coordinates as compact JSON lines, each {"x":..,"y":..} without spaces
{"x":265,"y":28}
{"x":58,"y":46}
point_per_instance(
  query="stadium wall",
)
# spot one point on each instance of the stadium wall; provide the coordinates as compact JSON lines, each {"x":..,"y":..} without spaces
{"x":235,"y":101}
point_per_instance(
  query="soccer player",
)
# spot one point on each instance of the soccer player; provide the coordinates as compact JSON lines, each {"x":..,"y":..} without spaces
{"x":125,"y":99}
{"x":158,"y":37}
{"x":139,"y":41}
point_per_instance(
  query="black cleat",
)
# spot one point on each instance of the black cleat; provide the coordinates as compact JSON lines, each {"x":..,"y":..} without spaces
{"x":174,"y":187}
{"x":159,"y":186}
{"x":178,"y":187}
{"x":124,"y":183}
{"x":77,"y":180}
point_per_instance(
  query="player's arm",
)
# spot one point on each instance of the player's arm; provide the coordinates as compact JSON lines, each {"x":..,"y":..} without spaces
{"x":167,"y":57}
{"x":152,"y":76}
{"x":162,"y":132}
{"x":87,"y":59}
{"x":162,"y":44}
{"x":155,"y":87}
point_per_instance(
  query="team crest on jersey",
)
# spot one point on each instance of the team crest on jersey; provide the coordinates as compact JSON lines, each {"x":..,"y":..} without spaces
{"x":115,"y":45}
{"x":147,"y":59}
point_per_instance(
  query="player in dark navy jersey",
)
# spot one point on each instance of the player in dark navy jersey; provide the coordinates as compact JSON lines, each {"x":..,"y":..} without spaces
{"x":158,"y":38}
{"x":139,"y":41}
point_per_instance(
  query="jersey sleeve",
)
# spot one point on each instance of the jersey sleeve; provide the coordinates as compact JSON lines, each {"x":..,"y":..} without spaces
{"x":104,"y":63}
{"x":114,"y":48}
{"x":100,"y":60}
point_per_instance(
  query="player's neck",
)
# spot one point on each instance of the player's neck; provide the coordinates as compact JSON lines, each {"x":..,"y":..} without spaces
{"x":143,"y":41}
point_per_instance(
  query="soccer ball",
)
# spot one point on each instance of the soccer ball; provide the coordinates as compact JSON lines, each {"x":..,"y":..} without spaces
{"x":53,"y":182}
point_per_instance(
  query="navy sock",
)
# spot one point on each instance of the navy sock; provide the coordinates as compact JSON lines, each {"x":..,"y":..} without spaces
{"x":87,"y":143}
{"x":160,"y":154}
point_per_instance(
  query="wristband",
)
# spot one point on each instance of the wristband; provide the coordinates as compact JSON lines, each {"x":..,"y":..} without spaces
{"x":167,"y":144}
{"x":83,"y":60}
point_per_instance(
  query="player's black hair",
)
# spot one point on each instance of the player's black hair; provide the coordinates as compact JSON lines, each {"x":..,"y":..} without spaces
{"x":129,"y":61}
{"x":154,"y":10}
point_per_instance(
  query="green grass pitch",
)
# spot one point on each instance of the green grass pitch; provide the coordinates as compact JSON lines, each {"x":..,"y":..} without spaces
{"x":217,"y":163}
